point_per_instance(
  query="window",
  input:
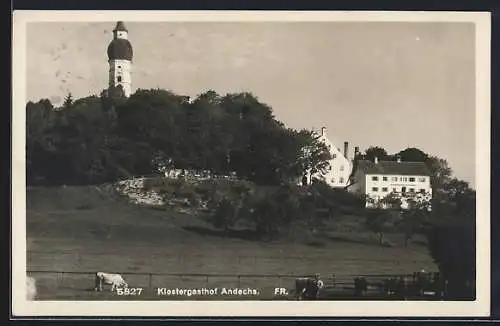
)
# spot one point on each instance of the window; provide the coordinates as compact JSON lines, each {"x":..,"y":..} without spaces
{"x":374,"y":178}
{"x":375,"y":189}
{"x":422,"y":191}
{"x":341,"y":180}
{"x":333,"y":180}
{"x":384,"y":178}
{"x":394,"y":179}
{"x":394,"y":190}
{"x":384,"y":189}
{"x":403,"y":179}
{"x":403,"y":190}
{"x":341,"y":168}
{"x":412,"y":179}
{"x":119,"y":79}
{"x":334,"y":156}
{"x":412,"y":190}
{"x":119,"y":67}
{"x":422,"y":179}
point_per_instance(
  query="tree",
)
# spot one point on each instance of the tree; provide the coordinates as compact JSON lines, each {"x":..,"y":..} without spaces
{"x":116,"y":93}
{"x":224,"y":216}
{"x":378,"y":220}
{"x":413,"y":219}
{"x":440,"y":171}
{"x":413,"y":154}
{"x":376,"y":151}
{"x":452,"y":244}
{"x":40,"y":118}
{"x":313,"y":155}
{"x":391,"y":201}
{"x":100,"y":138}
{"x":68,"y":101}
{"x":452,"y":238}
{"x":456,"y":189}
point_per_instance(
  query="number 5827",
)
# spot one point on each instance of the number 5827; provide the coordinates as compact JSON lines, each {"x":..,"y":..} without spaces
{"x":128,"y":291}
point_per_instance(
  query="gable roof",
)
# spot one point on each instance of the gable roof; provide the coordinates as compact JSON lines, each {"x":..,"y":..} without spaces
{"x":392,"y":167}
{"x":329,"y":143}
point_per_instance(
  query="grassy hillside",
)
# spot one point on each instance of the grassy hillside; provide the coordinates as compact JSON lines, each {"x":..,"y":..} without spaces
{"x":91,"y":229}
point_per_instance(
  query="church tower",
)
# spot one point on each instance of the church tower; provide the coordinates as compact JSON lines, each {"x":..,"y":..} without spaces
{"x":120,"y":59}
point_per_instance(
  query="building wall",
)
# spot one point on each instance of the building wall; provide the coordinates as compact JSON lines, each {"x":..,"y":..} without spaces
{"x":417,"y":187}
{"x":395,"y":183}
{"x":340,"y":168}
{"x":120,"y":74}
{"x":359,"y":186}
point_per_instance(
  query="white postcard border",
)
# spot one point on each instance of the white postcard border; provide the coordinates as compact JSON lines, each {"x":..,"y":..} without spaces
{"x":22,"y":307}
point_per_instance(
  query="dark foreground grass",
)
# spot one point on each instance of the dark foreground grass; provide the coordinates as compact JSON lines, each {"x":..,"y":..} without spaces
{"x":85,"y":229}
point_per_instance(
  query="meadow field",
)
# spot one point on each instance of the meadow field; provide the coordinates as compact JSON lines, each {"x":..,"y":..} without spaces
{"x":82,"y":230}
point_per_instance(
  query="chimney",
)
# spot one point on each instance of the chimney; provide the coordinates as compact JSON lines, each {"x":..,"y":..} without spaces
{"x":398,"y":159}
{"x":375,"y":160}
{"x":323,"y":131}
{"x":346,"y":149}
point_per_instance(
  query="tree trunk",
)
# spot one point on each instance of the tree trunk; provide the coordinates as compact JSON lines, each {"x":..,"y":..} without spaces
{"x":380,"y":237}
{"x":407,"y":238}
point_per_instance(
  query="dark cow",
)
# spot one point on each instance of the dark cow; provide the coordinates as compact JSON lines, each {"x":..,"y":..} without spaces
{"x":439,"y":285}
{"x":360,"y":286}
{"x":401,"y":287}
{"x":308,"y":288}
{"x":395,"y":286}
{"x":425,"y":284}
{"x":390,"y":285}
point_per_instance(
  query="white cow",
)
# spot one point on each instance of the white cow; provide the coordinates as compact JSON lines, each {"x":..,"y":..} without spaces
{"x":30,"y":288}
{"x":116,"y":281}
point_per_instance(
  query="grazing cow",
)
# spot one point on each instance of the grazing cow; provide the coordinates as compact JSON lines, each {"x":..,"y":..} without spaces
{"x":308,"y":288}
{"x":116,"y":281}
{"x":30,"y":288}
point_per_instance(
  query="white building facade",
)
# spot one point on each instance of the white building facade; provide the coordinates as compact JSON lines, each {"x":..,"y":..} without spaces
{"x":340,"y":166}
{"x":120,"y":54}
{"x":406,"y":181}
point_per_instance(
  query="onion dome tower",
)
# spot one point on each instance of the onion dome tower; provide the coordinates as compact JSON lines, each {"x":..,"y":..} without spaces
{"x":120,"y":55}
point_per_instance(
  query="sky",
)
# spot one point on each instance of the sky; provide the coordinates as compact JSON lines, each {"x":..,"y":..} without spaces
{"x":388,"y":84}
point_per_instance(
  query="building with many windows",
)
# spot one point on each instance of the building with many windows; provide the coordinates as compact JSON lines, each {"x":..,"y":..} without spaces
{"x":403,"y":180}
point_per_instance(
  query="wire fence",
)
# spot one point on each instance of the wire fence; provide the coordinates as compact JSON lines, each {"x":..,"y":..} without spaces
{"x":151,"y":280}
